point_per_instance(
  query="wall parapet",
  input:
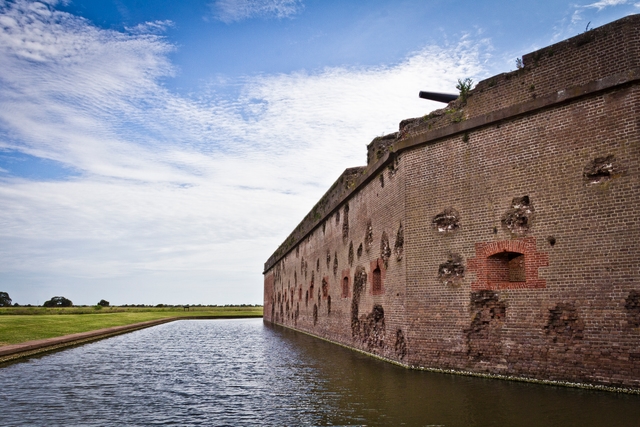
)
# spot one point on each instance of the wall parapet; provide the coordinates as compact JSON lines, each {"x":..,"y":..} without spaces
{"x":487,"y":105}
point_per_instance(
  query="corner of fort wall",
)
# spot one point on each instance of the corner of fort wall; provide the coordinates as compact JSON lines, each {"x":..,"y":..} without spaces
{"x":497,"y":235}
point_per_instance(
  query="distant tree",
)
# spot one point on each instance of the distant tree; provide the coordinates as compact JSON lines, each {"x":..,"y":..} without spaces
{"x":103,"y":303}
{"x":58,"y":302}
{"x":5,"y":301}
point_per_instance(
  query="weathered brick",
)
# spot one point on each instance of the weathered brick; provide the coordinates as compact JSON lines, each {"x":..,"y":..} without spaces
{"x":499,"y":235}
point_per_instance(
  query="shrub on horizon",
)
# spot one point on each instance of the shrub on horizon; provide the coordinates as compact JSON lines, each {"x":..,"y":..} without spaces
{"x":58,"y":302}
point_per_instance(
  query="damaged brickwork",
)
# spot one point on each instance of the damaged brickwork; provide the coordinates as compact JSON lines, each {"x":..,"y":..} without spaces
{"x":398,"y":246}
{"x":632,"y":306}
{"x":451,"y":272}
{"x":520,"y":215}
{"x":601,"y":169}
{"x":447,"y":221}
{"x":564,"y":324}
{"x":385,"y":249}
{"x":400,"y":345}
{"x":484,"y":334}
{"x":497,"y":235}
{"x":359,"y":282}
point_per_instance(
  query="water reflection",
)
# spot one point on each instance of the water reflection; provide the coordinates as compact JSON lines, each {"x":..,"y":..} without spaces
{"x":240,"y":372}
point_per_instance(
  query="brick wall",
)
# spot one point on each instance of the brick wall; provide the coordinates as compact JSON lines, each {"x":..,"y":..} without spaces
{"x":505,"y":243}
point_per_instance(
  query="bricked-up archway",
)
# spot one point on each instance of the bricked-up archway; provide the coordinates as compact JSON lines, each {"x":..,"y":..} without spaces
{"x":345,"y":284}
{"x":378,"y":273}
{"x":508,"y":264}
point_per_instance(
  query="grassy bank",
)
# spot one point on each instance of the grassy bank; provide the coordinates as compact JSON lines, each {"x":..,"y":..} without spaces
{"x":36,"y":323}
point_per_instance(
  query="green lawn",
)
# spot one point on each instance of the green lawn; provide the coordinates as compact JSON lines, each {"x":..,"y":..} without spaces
{"x":18,"y":325}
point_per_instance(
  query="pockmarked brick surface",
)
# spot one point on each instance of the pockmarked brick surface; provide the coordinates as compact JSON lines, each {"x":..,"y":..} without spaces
{"x":498,"y":235}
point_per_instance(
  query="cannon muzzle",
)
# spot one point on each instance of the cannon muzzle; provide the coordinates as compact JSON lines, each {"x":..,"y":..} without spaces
{"x":436,"y":96}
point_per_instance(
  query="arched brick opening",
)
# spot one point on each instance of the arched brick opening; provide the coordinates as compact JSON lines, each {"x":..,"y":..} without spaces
{"x":345,"y":284}
{"x":510,"y":264}
{"x":377,"y":280}
{"x":506,"y":267}
{"x":377,"y":276}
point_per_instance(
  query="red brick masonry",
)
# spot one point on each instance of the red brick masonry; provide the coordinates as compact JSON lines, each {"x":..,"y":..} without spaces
{"x":499,"y":235}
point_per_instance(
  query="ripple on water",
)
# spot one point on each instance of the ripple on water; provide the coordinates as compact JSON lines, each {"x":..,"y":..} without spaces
{"x":241,"y":372}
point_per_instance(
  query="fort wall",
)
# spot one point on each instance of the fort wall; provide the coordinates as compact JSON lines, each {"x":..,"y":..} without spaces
{"x":498,"y":235}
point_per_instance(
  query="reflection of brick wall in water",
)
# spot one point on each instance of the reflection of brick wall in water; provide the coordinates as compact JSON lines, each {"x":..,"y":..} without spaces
{"x":497,"y":235}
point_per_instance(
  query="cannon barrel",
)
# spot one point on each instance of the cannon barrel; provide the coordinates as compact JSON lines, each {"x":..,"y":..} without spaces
{"x":436,"y":96}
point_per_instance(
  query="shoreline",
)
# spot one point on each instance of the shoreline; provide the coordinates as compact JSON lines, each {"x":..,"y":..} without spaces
{"x":12,"y":352}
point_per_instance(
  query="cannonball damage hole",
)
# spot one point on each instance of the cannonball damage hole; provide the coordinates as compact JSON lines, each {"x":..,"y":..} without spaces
{"x":451,"y":272}
{"x":368,"y":237}
{"x":520,"y":215}
{"x":385,"y":249}
{"x":400,"y":345}
{"x":359,"y":282}
{"x":446,"y":221}
{"x":350,"y":255}
{"x":398,"y":247}
{"x":601,"y":169}
{"x":315,"y":314}
{"x":345,"y":224}
{"x":372,"y":328}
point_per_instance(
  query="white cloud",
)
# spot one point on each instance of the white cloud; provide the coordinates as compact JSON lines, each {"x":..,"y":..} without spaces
{"x":154,"y":27}
{"x":229,"y":11}
{"x":175,"y":195}
{"x":602,"y":4}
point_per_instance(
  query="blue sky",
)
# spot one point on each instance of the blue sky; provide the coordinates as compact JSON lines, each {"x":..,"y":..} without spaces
{"x":159,"y":152}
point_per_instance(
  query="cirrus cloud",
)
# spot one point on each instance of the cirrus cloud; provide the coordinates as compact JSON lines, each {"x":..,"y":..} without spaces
{"x":229,"y":11}
{"x":175,"y":199}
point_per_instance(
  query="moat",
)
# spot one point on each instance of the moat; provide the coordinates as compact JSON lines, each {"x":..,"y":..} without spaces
{"x":245,"y":373}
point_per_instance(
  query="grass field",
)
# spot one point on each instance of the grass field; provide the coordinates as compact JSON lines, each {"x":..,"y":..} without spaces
{"x":21,"y":324}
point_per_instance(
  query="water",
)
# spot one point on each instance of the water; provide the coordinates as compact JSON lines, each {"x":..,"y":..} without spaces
{"x":243,"y":373}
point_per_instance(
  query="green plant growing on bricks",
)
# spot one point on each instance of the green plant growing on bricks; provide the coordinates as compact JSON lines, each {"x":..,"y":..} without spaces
{"x":464,"y":86}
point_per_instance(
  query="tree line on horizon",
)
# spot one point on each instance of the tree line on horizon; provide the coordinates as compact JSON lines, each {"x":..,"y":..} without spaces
{"x":60,"y":301}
